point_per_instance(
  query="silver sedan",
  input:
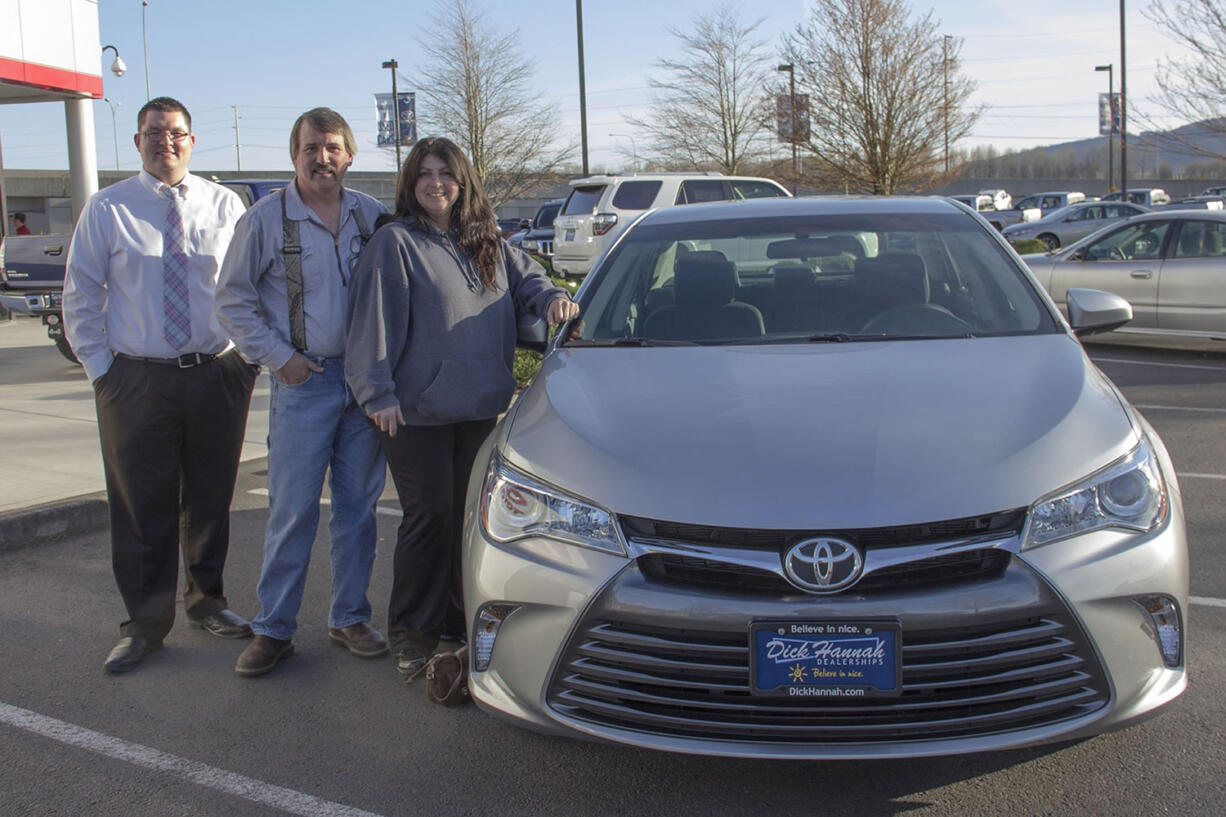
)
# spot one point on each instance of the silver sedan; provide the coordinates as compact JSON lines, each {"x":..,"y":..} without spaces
{"x":824,"y":478}
{"x":1068,"y":224}
{"x":1170,"y":265}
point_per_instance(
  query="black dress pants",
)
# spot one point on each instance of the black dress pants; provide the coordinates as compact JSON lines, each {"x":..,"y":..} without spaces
{"x":430,"y":467}
{"x":171,"y":440}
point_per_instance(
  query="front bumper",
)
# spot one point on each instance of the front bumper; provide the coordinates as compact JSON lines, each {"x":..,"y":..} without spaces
{"x":1049,"y":645}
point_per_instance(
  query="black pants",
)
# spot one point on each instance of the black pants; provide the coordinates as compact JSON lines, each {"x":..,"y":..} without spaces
{"x":171,"y":440}
{"x":430,"y":467}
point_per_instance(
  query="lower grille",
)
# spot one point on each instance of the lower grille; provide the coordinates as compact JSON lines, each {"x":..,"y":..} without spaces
{"x":979,"y":679}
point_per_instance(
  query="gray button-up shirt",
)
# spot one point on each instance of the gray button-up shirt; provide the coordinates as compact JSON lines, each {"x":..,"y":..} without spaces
{"x":252,"y":301}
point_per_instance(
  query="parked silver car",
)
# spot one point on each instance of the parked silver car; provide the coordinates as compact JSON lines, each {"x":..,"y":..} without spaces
{"x":1170,"y":265}
{"x":824,"y":478}
{"x":1064,"y":226}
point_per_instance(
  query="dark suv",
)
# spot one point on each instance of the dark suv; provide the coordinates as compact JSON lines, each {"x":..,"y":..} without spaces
{"x":539,"y":240}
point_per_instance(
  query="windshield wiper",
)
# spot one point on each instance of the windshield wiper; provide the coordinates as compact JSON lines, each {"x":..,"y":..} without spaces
{"x":628,"y":342}
{"x":829,"y":337}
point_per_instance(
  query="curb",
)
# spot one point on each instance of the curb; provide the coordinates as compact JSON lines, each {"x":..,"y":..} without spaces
{"x":45,"y":523}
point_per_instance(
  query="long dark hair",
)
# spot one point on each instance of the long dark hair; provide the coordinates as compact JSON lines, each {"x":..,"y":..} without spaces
{"x":472,"y":216}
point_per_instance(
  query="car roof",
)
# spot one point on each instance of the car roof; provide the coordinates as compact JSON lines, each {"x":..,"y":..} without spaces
{"x":780,"y":206}
{"x":1184,"y":213}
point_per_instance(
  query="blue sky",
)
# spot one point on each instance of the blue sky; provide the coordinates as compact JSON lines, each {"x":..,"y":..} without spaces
{"x":272,"y":59}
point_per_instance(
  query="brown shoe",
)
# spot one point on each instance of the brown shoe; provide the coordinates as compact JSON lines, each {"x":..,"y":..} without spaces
{"x":360,"y":639}
{"x":262,"y":655}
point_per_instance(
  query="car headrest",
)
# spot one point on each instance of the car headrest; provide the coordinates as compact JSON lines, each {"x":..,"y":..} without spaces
{"x":704,"y":281}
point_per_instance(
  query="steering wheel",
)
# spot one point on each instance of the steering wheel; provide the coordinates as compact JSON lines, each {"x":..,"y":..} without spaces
{"x":1116,"y":254}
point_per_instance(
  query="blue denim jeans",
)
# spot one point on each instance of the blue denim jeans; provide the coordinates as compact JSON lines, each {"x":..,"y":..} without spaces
{"x":313,"y":427}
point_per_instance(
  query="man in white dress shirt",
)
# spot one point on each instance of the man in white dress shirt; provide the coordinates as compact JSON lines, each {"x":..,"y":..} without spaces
{"x":283,"y":296}
{"x":171,"y":395}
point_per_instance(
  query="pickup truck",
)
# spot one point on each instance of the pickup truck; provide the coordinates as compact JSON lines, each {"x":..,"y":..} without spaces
{"x":1029,"y":208}
{"x":32,"y":267}
{"x":32,"y":281}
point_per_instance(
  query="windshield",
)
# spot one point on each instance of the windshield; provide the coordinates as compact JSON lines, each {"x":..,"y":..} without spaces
{"x":808,"y":279}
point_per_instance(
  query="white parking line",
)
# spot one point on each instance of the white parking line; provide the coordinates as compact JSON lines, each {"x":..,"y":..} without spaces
{"x":1201,"y":476}
{"x":257,"y":791}
{"x":1158,"y":363}
{"x":1205,"y":601}
{"x":1152,"y":407}
{"x":325,"y":501}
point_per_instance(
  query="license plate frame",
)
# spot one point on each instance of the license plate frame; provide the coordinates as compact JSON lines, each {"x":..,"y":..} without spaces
{"x":825,"y":660}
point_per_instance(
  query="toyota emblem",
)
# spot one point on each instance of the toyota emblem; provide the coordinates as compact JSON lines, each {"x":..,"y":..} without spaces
{"x":823,"y":565}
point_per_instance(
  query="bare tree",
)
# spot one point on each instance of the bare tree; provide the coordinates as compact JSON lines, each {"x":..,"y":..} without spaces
{"x":475,"y":88}
{"x":1193,"y":88}
{"x":706,"y":113}
{"x":885,"y":95}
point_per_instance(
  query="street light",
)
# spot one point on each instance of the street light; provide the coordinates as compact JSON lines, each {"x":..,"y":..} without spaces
{"x":1110,"y":69}
{"x":791,"y":71}
{"x":634,"y":149}
{"x":392,"y":65}
{"x":117,"y":67}
{"x":114,"y":127}
{"x":144,"y":39}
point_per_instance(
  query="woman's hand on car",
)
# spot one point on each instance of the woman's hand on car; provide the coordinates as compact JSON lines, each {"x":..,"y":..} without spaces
{"x":561,"y":309}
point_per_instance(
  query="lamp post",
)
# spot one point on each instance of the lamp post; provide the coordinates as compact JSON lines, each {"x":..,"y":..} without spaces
{"x":791,"y":72}
{"x":114,"y":127}
{"x":392,"y":65}
{"x":144,"y":38}
{"x":582,"y":85}
{"x":1123,"y":110}
{"x":1110,"y":69}
{"x":634,"y":149}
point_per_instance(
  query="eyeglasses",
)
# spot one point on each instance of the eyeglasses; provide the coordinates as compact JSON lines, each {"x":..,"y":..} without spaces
{"x":158,"y":135}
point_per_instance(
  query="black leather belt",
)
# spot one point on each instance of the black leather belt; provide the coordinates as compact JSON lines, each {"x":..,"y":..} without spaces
{"x":187,"y":361}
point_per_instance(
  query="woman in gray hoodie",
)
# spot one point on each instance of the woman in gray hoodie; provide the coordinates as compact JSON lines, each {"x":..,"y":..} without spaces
{"x":432,"y":314}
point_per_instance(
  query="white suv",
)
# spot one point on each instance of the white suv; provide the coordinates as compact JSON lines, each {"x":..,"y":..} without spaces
{"x":597,"y":204}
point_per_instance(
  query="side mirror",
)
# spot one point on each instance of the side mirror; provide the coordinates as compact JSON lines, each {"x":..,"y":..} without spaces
{"x":532,"y":333}
{"x":1091,"y":311}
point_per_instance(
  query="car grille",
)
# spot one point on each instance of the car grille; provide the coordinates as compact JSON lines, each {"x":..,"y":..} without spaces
{"x":986,"y":677}
{"x":994,"y":526}
{"x":938,"y":569}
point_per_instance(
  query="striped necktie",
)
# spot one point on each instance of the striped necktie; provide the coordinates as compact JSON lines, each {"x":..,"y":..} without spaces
{"x":177,"y":327}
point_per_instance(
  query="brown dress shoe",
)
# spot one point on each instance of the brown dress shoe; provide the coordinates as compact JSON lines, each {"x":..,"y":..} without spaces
{"x":262,"y":655}
{"x":360,"y":639}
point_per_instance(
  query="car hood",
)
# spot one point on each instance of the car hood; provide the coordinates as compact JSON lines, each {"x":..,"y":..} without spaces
{"x":833,"y":436}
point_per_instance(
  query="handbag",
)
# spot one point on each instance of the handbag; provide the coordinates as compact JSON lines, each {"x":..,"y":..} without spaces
{"x":447,"y":677}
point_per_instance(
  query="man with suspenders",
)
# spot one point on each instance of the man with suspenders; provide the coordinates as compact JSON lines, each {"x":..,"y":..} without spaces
{"x":282,"y":296}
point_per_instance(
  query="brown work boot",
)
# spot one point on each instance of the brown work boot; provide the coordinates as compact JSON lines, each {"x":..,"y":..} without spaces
{"x":262,"y":655}
{"x":360,"y":639}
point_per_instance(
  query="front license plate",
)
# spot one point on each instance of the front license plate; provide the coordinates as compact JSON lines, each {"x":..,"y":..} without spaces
{"x":824,"y":659}
{"x":570,"y":235}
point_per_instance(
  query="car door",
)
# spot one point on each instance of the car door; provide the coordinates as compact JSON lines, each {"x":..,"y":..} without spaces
{"x":1192,"y":284}
{"x":1126,"y":261}
{"x":1081,"y":222}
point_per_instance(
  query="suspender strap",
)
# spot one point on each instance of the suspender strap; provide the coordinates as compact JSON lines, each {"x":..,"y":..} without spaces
{"x":293,"y":272}
{"x":363,"y":230}
{"x":293,"y":279}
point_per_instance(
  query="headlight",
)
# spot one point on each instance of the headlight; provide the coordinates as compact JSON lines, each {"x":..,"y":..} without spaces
{"x":1128,"y":494}
{"x":515,"y":506}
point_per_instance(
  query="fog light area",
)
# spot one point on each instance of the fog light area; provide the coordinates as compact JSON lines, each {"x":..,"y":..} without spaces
{"x":1168,"y":627}
{"x":489,"y":619}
